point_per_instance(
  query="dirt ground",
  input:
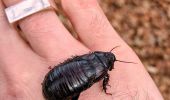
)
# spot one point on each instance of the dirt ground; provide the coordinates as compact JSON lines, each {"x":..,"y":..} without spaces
{"x":145,"y":26}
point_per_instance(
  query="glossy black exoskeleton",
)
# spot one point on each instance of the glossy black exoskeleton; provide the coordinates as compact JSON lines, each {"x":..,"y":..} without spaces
{"x":67,"y":80}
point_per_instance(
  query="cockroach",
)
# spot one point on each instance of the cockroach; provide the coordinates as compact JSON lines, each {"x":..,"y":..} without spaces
{"x":67,"y":80}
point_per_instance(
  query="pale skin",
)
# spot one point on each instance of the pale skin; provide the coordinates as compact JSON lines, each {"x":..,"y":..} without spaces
{"x":23,"y":66}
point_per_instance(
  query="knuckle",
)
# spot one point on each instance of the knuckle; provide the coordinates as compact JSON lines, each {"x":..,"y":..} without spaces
{"x":81,"y":4}
{"x":40,"y":32}
{"x":97,"y":23}
{"x":87,"y":3}
{"x":39,"y":27}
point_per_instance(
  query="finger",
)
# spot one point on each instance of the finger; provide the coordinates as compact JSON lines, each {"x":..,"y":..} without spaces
{"x":91,"y":24}
{"x":10,"y":41}
{"x":46,"y":34}
{"x":96,"y":32}
{"x":17,"y":62}
{"x":93,"y":28}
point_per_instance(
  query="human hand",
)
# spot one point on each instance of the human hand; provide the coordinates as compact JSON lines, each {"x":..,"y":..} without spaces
{"x":23,"y":66}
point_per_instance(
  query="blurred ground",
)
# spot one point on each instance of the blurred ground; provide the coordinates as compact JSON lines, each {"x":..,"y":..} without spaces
{"x":145,"y":26}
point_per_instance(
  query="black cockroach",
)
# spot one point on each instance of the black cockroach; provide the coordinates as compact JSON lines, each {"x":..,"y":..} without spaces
{"x":67,"y":80}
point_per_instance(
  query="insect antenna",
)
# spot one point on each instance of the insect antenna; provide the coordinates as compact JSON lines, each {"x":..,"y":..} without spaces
{"x":114,"y":48}
{"x":121,"y":60}
{"x":125,"y":61}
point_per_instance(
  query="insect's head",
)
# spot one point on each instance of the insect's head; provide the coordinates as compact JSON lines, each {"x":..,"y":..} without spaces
{"x":110,"y":60}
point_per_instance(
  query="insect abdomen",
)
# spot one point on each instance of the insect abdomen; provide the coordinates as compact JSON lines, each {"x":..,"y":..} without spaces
{"x":73,"y":76}
{"x":68,"y":80}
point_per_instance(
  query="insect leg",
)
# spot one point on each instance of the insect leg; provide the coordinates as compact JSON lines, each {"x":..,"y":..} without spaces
{"x":76,"y":97}
{"x":105,"y":84}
